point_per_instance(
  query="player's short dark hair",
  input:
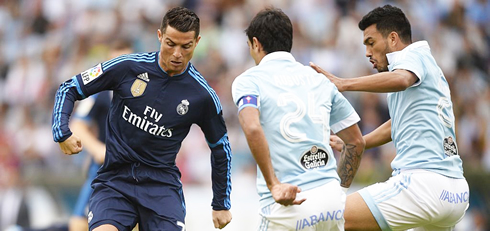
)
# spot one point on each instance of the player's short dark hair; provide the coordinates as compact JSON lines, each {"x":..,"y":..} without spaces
{"x":273,"y":28}
{"x":387,"y":19}
{"x":182,"y":19}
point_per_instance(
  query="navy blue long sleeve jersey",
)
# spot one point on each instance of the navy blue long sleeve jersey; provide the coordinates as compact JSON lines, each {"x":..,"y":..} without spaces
{"x":150,"y":115}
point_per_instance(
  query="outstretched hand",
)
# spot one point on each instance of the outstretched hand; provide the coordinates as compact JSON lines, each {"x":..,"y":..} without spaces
{"x":221,"y":218}
{"x":336,"y":143}
{"x":285,"y":194}
{"x":334,"y":79}
{"x":72,"y":145}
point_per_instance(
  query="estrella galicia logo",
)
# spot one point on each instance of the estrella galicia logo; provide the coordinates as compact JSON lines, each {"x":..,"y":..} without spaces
{"x":314,"y":158}
{"x":450,"y":147}
{"x":183,"y":107}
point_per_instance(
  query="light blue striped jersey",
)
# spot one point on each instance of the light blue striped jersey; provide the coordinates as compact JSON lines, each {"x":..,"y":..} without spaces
{"x":422,"y":118}
{"x":298,"y":109}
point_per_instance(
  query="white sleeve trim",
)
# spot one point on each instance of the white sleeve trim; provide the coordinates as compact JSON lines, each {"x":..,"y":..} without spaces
{"x":418,"y":76}
{"x":347,"y":122}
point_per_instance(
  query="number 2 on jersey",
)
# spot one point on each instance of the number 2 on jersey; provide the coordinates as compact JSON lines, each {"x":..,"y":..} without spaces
{"x":316,"y":113}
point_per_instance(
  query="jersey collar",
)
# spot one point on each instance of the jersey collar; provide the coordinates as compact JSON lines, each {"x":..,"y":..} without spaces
{"x":278,"y":55}
{"x":395,"y":56}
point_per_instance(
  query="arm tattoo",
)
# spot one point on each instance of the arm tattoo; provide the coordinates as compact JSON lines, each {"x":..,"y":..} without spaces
{"x":350,"y":160}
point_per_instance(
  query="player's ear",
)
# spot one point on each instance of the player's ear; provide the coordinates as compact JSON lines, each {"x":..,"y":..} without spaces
{"x":393,"y":39}
{"x":197,"y":39}
{"x":160,"y":35}
{"x":256,"y":44}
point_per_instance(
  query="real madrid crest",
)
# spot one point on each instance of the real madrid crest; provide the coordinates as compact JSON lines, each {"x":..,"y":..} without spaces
{"x":138,"y":87}
{"x":183,"y":107}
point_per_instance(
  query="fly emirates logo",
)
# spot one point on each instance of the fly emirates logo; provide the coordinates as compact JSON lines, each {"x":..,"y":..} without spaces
{"x":144,"y":123}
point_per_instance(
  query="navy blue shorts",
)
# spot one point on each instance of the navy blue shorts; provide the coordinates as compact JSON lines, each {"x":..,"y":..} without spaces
{"x":138,"y":194}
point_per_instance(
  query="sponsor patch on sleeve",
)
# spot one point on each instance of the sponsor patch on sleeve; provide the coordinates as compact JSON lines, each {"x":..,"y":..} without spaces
{"x":91,"y":74}
{"x":248,"y":101}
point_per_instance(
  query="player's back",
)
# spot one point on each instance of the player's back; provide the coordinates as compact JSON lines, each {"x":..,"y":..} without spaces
{"x":295,"y":104}
{"x":297,"y":107}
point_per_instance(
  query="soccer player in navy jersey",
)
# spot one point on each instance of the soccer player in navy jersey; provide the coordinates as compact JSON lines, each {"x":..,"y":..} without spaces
{"x":157,"y":96}
{"x":90,"y":113}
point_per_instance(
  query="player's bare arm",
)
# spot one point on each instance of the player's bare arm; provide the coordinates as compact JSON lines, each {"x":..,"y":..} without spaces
{"x":93,"y":145}
{"x":284,"y":194}
{"x":221,"y":218}
{"x":379,"y":136}
{"x":72,"y":145}
{"x":394,"y":81}
{"x":350,"y":158}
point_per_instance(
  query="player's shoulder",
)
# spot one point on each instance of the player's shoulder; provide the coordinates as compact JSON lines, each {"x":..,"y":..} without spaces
{"x":123,"y":61}
{"x":414,"y":53}
{"x":196,"y":77}
{"x":250,"y":74}
{"x":206,"y":93}
{"x":198,"y":81}
{"x":194,"y":72}
{"x":315,"y":77}
{"x":245,"y":79}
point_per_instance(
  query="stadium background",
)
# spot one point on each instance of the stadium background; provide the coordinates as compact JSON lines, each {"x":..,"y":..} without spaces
{"x":44,"y":42}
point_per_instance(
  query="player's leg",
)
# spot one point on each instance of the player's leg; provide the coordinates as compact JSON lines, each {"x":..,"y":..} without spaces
{"x":413,"y":198}
{"x":390,"y":205}
{"x":171,"y":220}
{"x":161,"y":205}
{"x":357,"y":214}
{"x":387,"y":205}
{"x":110,"y":210}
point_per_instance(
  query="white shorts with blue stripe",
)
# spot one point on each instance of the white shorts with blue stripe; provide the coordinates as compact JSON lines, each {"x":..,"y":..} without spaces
{"x":322,"y":210}
{"x":417,"y":199}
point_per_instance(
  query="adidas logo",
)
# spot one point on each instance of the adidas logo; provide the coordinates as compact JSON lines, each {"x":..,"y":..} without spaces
{"x":144,"y":76}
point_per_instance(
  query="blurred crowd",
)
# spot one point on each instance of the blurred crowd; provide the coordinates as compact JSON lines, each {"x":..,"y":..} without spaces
{"x":45,"y":42}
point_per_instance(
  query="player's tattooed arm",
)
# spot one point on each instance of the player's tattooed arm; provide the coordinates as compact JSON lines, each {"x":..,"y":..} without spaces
{"x":349,"y":163}
{"x":352,"y":143}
